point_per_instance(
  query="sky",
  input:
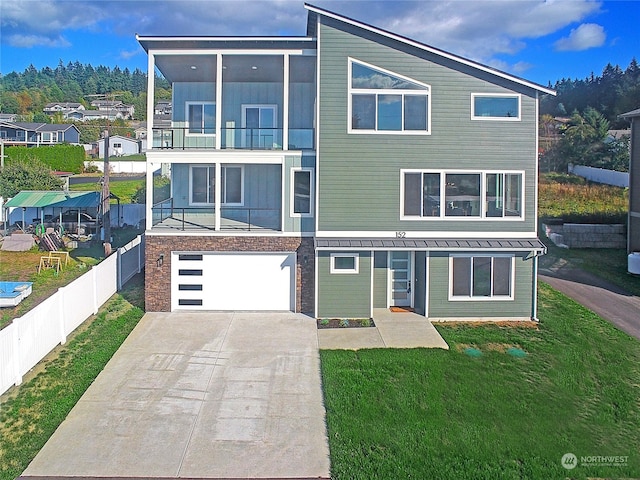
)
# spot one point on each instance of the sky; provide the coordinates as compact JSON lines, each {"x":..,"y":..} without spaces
{"x":540,"y":40}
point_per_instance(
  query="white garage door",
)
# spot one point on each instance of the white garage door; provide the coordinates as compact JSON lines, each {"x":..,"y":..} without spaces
{"x":232,"y":281}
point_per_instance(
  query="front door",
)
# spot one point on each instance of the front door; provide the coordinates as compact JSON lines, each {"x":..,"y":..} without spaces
{"x":400,"y":279}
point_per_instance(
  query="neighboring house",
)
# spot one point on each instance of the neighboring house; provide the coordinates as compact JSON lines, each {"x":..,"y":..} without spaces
{"x":37,"y":134}
{"x":114,"y":107}
{"x":633,"y":230}
{"x":62,"y":107}
{"x":163,"y":107}
{"x":341,"y":172}
{"x":84,"y":115}
{"x":120,"y":146}
{"x":8,"y":117}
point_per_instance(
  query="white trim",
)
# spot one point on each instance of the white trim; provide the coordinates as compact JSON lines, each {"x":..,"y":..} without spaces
{"x":221,"y":51}
{"x":483,"y":196}
{"x":490,"y":298}
{"x":159,"y":232}
{"x":496,"y":95}
{"x":312,"y":192}
{"x":427,"y":273}
{"x":219,"y":75}
{"x":344,"y":271}
{"x":372,"y":261}
{"x":220,"y":156}
{"x":285,"y":102}
{"x":208,"y":167}
{"x":382,"y":91}
{"x":426,"y":48}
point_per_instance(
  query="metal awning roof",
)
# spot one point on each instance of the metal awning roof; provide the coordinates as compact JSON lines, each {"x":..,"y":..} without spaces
{"x":493,"y":244}
{"x":40,"y":199}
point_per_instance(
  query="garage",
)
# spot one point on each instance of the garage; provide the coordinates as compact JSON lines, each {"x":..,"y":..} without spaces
{"x":233,"y":281}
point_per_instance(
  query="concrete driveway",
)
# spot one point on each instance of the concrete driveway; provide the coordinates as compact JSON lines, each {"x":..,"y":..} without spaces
{"x":200,"y":395}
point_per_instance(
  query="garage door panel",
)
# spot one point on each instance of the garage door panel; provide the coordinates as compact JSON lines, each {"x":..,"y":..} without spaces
{"x":233,"y":281}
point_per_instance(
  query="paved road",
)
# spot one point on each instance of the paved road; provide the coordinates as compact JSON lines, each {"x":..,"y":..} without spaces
{"x":200,"y":395}
{"x":607,"y":300}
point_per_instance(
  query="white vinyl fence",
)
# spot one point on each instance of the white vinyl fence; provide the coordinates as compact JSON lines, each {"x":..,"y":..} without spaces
{"x":600,"y":175}
{"x":28,"y":339}
{"x":120,"y":166}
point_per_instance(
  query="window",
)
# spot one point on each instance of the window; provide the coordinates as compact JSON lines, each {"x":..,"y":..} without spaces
{"x":301,"y":193}
{"x":495,"y":107}
{"x":203,"y":181}
{"x":344,"y":263}
{"x":504,"y":195}
{"x":481,"y":277}
{"x":382,"y":101}
{"x":201,"y":118}
{"x":461,"y":195}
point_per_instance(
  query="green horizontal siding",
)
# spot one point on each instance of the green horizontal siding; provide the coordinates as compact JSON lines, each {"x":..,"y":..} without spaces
{"x":380,"y":275}
{"x":441,"y":307}
{"x":344,"y":295}
{"x":359,"y":174}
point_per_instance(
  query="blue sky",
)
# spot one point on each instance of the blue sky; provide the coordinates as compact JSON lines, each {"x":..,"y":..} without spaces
{"x":539,"y":40}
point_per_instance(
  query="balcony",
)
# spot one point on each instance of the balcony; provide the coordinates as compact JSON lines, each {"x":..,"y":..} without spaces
{"x":167,"y":217}
{"x":234,"y":139}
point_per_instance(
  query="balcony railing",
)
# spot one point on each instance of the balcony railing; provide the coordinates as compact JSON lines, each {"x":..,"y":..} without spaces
{"x":179,"y":138}
{"x":166,"y":216}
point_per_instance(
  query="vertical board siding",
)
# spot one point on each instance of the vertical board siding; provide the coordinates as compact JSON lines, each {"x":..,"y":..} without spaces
{"x":344,"y":295}
{"x":360,"y":173}
{"x":441,"y":307}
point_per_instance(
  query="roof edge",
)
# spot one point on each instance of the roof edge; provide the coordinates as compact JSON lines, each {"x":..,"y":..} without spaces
{"x":422,"y":46}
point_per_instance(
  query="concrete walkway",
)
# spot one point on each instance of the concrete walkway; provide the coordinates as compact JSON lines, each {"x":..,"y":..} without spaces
{"x":607,"y":300}
{"x":200,"y":395}
{"x":392,"y":330}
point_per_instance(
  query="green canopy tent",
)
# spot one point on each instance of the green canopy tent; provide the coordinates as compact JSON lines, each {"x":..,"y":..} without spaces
{"x":53,"y":199}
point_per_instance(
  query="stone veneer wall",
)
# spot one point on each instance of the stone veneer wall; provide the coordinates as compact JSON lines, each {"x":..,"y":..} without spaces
{"x":158,"y":279}
{"x":577,"y":235}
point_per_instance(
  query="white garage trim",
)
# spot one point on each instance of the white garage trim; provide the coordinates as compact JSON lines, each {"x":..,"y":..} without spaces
{"x":233,"y":281}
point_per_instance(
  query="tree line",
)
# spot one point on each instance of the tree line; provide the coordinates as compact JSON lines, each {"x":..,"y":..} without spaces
{"x":26,"y":93}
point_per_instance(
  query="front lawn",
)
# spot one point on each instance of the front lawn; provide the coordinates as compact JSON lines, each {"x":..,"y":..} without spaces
{"x":501,"y":403}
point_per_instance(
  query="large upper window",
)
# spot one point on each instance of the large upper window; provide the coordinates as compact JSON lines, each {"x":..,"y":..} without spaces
{"x":385,"y":102}
{"x":481,"y":277}
{"x":495,"y":106}
{"x":203,"y":185}
{"x":434,"y":194}
{"x":201,"y":117}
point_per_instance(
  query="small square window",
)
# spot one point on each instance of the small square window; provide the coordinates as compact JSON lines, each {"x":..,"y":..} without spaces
{"x":344,"y":263}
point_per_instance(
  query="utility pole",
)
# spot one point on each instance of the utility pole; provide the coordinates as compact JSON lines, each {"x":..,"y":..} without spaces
{"x":106,"y":194}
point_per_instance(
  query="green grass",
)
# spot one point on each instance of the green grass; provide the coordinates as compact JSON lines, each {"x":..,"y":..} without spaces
{"x":30,"y":413}
{"x":445,"y":414}
{"x":576,"y":201}
{"x":124,"y":189}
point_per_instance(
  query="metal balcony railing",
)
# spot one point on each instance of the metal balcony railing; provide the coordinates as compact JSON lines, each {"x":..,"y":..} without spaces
{"x":182,"y":138}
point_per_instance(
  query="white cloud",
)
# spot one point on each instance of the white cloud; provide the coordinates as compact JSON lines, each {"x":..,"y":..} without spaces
{"x":586,"y":36}
{"x":477,"y":29}
{"x":29,"y":41}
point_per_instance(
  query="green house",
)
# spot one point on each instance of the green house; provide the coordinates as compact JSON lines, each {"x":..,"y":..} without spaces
{"x":339,"y":173}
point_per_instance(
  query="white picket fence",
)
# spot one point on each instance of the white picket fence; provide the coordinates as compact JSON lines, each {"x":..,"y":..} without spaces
{"x":28,"y":339}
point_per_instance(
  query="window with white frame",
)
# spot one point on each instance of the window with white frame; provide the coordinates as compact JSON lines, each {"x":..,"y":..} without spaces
{"x":487,"y":106}
{"x":385,"y":102}
{"x":344,"y":263}
{"x":201,"y":118}
{"x":474,"y":277}
{"x":461,"y":195}
{"x":302,"y":192}
{"x":203,"y":185}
